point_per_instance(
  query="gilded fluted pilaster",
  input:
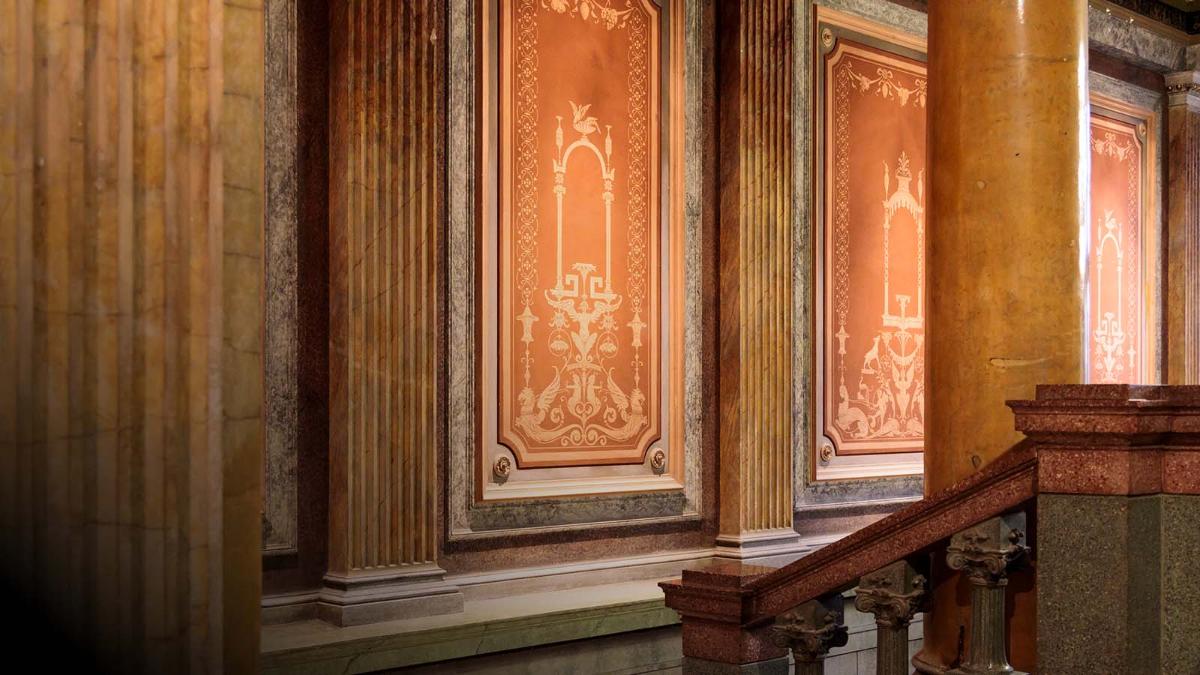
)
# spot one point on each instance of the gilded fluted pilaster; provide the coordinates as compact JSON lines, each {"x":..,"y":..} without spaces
{"x":387,"y":109}
{"x":755,"y":63}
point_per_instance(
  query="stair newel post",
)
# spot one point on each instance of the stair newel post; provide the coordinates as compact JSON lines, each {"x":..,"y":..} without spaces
{"x":893,"y":594}
{"x":810,"y":630}
{"x":985,"y":553}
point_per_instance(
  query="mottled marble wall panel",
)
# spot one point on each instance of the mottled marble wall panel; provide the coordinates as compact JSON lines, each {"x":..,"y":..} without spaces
{"x":281,"y":290}
{"x":131,"y":224}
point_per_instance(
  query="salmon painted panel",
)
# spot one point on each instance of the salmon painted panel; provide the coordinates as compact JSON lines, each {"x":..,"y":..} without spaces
{"x":873,"y":267}
{"x":579,"y":231}
{"x":1115,"y":291}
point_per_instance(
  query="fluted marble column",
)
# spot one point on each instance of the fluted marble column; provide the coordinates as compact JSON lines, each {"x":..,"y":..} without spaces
{"x":387,"y":180}
{"x":1007,"y":203}
{"x":131,"y":215}
{"x":1182,"y":309}
{"x":755,"y":168}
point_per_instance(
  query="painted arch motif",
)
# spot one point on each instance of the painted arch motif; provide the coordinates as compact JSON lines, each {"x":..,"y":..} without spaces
{"x":580,"y":320}
{"x":1115,"y":297}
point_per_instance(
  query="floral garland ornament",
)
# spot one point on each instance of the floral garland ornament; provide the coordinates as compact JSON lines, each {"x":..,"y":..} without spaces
{"x":596,"y":11}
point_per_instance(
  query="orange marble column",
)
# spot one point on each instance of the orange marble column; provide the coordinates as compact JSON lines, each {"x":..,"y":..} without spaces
{"x":131,"y":216}
{"x":1008,"y":168}
{"x":1182,"y":310}
{"x":755,"y":76}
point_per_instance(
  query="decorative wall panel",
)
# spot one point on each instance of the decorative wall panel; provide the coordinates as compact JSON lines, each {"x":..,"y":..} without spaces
{"x":1116,"y":332}
{"x":578,"y":231}
{"x":872,"y":247}
{"x":579,"y":321}
{"x":569,"y":241}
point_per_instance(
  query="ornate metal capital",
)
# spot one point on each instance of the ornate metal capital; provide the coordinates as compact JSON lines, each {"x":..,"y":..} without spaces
{"x":986,"y":551}
{"x":812,"y":629}
{"x":893,"y":594}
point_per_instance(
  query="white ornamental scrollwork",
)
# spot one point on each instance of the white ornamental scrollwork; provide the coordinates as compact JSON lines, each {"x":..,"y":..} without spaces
{"x":583,"y":404}
{"x":887,"y":86}
{"x":596,"y":11}
{"x":889,"y":401}
{"x":1109,"y":335}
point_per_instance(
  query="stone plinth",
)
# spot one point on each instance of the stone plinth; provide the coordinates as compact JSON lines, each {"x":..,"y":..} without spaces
{"x":712,"y":601}
{"x":1118,"y":526}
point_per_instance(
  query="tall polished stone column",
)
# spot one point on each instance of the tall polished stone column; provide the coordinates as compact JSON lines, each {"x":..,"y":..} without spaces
{"x":1008,"y":190}
{"x":1182,"y":309}
{"x":387,"y":178}
{"x":755,"y":178}
{"x":131,"y":213}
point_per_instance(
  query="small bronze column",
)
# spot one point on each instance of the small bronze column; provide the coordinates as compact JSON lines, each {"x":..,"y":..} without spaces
{"x":984,"y":553}
{"x":893,"y":594}
{"x":811,"y":630}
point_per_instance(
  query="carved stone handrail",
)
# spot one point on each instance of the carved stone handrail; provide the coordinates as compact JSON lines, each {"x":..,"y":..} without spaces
{"x":1002,"y":486}
{"x":1081,"y":439}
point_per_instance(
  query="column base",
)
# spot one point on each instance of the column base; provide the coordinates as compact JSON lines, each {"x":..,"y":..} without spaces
{"x":925,"y":666}
{"x":758,"y":544}
{"x":359,"y":598}
{"x":695,"y":666}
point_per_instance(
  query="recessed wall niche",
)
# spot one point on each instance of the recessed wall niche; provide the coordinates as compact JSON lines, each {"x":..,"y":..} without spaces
{"x":574,"y":367}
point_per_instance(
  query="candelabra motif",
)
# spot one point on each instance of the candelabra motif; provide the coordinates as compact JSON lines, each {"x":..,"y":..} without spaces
{"x":1115,"y":299}
{"x":579,"y":231}
{"x":1109,"y":334}
{"x":889,"y":400}
{"x":583,"y":405}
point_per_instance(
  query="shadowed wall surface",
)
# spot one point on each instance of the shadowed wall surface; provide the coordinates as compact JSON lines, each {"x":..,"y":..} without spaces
{"x":130,"y":319}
